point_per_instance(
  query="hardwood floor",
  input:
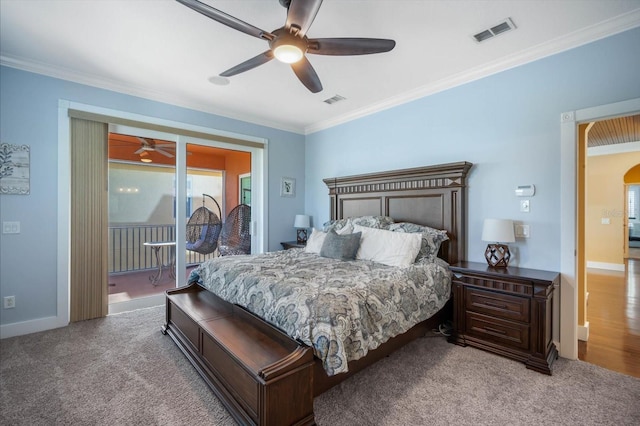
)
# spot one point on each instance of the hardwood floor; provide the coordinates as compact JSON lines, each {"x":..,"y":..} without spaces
{"x":613,"y":312}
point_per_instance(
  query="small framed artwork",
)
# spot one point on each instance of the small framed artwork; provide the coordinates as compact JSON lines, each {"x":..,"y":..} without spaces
{"x":288,"y":187}
{"x":14,"y":169}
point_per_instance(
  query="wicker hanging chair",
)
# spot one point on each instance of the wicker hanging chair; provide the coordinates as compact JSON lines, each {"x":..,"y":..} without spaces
{"x":203,"y":228}
{"x":236,"y":232}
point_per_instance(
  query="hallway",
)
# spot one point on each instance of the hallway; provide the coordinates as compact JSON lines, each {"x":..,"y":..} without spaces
{"x":613,"y":312}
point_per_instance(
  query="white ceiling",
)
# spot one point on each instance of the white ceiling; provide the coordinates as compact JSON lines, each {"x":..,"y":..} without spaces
{"x":162,"y":50}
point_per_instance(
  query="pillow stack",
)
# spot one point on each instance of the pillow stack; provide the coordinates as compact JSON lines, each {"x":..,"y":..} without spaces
{"x":376,"y":238}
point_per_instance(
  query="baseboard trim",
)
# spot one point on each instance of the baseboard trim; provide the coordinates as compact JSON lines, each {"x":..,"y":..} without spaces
{"x":604,"y":265}
{"x":31,"y":326}
{"x":583,"y":332}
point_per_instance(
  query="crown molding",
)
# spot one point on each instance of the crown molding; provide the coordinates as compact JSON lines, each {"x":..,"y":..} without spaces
{"x":578,"y":38}
{"x":128,"y":89}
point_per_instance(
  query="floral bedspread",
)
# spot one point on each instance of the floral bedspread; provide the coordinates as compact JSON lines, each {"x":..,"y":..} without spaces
{"x":341,"y":309}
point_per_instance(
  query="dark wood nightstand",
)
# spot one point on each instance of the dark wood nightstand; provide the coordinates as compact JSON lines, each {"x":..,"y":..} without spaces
{"x":508,"y":311}
{"x":292,"y":244}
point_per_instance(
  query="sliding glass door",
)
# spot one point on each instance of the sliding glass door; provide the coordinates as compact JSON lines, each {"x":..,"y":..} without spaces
{"x":142,"y":216}
{"x":211,"y":179}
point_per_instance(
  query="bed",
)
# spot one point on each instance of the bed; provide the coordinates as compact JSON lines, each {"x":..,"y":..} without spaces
{"x":266,"y":349}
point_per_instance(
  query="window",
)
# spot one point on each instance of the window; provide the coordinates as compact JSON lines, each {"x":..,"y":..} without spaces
{"x":632,"y":204}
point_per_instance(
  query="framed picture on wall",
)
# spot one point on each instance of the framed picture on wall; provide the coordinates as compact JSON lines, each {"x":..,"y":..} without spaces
{"x":14,"y":169}
{"x":288,"y":187}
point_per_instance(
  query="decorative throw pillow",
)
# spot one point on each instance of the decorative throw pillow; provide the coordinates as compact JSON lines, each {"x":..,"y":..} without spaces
{"x":431,"y":238}
{"x":343,"y":247}
{"x":376,"y":222}
{"x":386,"y":247}
{"x":315,"y":241}
{"x":343,"y":226}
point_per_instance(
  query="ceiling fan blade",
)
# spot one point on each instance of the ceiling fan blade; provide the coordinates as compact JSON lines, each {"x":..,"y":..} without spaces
{"x":349,"y":46}
{"x":301,"y":14}
{"x":225,"y":19}
{"x":262,"y":58}
{"x":145,"y":141}
{"x":165,"y":153}
{"x":140,"y":151}
{"x":307,"y":75}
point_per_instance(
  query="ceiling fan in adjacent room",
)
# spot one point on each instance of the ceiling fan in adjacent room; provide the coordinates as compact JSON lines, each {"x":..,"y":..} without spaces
{"x":290,"y":43}
{"x":148,"y":145}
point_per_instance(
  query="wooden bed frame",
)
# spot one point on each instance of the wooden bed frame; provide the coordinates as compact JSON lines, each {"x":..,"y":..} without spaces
{"x":263,"y":376}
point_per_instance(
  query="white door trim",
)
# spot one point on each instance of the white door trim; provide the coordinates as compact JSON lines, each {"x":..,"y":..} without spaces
{"x":568,"y":330}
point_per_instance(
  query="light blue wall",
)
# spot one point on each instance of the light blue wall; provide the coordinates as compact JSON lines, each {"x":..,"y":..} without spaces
{"x":507,"y":124}
{"x":29,"y":115}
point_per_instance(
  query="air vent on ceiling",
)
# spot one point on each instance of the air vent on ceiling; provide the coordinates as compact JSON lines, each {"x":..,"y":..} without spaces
{"x":334,"y":99}
{"x":500,"y":28}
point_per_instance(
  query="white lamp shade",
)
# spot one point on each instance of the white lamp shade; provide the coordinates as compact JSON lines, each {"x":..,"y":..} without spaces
{"x":302,"y":221}
{"x":498,"y":231}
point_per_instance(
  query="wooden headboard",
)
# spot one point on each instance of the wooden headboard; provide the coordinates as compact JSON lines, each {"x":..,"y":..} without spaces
{"x":434,"y":196}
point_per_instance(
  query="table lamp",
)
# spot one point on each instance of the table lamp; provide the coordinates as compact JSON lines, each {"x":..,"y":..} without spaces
{"x":302,"y":222}
{"x":496,"y":231}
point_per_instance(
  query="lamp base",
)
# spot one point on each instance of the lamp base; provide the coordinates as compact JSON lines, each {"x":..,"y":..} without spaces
{"x":302,"y":236}
{"x":498,"y":255}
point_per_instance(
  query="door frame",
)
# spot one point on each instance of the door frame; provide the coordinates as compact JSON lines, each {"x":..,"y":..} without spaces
{"x":240,"y":178}
{"x":259,"y":172}
{"x":568,"y":306}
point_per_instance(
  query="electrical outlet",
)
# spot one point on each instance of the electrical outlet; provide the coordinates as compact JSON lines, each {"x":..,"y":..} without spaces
{"x":9,"y":302}
{"x":10,"y":227}
{"x":524,"y":206}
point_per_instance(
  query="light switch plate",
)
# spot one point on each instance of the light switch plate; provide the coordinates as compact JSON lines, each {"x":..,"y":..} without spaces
{"x":522,"y":231}
{"x":524,"y":206}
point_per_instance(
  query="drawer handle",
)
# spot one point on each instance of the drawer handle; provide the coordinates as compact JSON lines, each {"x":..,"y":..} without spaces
{"x":494,"y":330}
{"x":495,"y":305}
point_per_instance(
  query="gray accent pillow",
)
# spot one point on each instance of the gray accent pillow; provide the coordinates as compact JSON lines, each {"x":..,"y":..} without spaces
{"x":342,"y":247}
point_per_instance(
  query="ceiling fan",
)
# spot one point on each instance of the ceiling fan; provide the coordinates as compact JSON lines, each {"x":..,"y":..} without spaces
{"x":290,"y":42}
{"x":148,"y":145}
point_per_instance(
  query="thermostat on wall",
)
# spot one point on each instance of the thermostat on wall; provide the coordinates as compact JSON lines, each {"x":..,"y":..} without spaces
{"x":525,"y":190}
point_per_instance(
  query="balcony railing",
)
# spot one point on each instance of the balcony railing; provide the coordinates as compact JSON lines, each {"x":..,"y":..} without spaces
{"x":127,"y":252}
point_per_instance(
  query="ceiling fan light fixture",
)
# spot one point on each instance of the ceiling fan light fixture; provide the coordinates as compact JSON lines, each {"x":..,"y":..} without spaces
{"x":290,"y":44}
{"x":287,"y":53}
{"x":287,"y":47}
{"x":146,"y":160}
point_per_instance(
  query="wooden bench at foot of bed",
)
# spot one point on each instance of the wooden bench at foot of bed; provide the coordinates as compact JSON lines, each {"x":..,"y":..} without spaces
{"x":261,"y":375}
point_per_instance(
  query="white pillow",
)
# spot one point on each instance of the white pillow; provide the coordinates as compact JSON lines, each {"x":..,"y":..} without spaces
{"x":315,"y":241}
{"x":390,"y":248}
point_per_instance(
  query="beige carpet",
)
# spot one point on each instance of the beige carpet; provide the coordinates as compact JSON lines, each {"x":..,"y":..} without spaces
{"x":121,"y":370}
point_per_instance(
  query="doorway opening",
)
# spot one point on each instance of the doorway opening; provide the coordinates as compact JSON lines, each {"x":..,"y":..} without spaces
{"x":143,"y":212}
{"x":608,"y":311}
{"x":178,"y":132}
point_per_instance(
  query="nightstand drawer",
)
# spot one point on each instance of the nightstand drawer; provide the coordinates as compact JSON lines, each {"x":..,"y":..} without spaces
{"x":503,"y":332}
{"x":497,"y":304}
